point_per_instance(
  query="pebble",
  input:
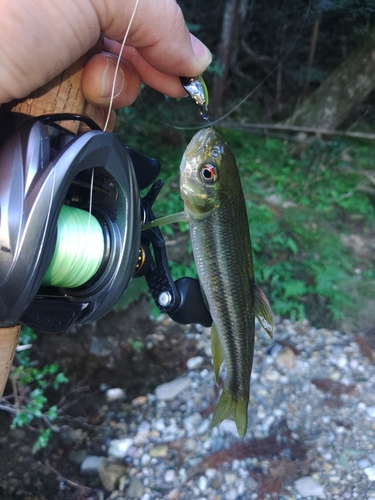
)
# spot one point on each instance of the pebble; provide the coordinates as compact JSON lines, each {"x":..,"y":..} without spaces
{"x":160,"y":451}
{"x":90,"y":465}
{"x":135,"y":488}
{"x":194,"y":363}
{"x":168,"y":435}
{"x":119,"y":447}
{"x":169,"y":476}
{"x":110,"y":473}
{"x":286,"y":358}
{"x":370,"y":472}
{"x":170,"y":390}
{"x":115,"y":394}
{"x":307,"y":486}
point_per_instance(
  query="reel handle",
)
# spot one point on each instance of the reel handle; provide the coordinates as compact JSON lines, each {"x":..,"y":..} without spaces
{"x":62,"y":95}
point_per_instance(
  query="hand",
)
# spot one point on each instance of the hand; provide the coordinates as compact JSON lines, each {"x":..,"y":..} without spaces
{"x":40,"y":39}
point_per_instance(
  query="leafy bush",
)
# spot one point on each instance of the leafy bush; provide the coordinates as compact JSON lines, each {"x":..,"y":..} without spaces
{"x":31,"y":404}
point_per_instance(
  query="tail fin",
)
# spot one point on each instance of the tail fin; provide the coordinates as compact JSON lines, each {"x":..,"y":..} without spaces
{"x":228,"y":407}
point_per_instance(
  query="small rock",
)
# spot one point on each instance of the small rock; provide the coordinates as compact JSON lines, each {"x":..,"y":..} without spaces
{"x":194,"y":363}
{"x":204,"y":427}
{"x":371,"y":411}
{"x":170,"y":390}
{"x":286,"y":357}
{"x":139,"y":401}
{"x":169,"y":476}
{"x":77,"y":456}
{"x":115,"y":394}
{"x":110,"y":473}
{"x":217,"y":481}
{"x":160,"y":451}
{"x":90,"y":465}
{"x":364,"y":463}
{"x":272,"y":375}
{"x":119,"y":447}
{"x":99,"y":347}
{"x":341,"y":362}
{"x":190,"y":445}
{"x":174,"y":494}
{"x":370,"y":472}
{"x":307,"y":486}
{"x":202,"y":483}
{"x":117,"y":495}
{"x":135,"y":489}
{"x":228,"y":427}
{"x":71,"y":436}
{"x":192,"y":421}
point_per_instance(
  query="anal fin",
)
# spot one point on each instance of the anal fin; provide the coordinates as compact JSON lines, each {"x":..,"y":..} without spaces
{"x":217,"y":351}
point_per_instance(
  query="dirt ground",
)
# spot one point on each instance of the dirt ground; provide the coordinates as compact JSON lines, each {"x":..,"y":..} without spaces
{"x":126,"y":349}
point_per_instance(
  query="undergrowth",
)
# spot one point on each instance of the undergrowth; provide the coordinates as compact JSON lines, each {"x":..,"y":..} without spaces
{"x":303,"y":201}
{"x":29,"y":401}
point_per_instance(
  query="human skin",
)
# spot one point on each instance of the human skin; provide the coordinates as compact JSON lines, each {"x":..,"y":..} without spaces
{"x":40,"y":39}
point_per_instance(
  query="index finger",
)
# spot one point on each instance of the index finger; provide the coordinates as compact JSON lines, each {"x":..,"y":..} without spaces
{"x":159,"y":34}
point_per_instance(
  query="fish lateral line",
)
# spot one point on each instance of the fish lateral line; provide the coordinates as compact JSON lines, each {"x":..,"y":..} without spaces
{"x":167,"y":219}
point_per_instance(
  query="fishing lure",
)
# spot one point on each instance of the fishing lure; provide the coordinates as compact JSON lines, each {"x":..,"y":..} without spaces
{"x":197,"y":90}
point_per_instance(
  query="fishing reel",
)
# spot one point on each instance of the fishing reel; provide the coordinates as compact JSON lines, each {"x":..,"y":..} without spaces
{"x":70,"y":229}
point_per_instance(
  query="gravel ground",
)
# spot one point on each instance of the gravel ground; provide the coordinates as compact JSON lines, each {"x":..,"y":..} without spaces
{"x":311,"y":427}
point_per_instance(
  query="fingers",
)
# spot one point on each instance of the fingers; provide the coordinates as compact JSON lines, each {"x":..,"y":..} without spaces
{"x":159,"y":34}
{"x":165,"y":83}
{"x":42,"y":38}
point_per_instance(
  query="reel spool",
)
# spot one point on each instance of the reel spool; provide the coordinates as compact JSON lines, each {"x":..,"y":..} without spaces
{"x":70,"y":229}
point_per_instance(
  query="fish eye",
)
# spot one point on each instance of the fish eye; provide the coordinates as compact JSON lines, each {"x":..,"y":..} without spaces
{"x":209,"y":173}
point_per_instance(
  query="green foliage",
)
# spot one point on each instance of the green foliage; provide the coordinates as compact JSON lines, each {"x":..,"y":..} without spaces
{"x":35,"y":407}
{"x":300,"y":203}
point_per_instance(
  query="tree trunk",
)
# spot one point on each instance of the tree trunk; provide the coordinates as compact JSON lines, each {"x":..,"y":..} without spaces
{"x":348,"y":85}
{"x":228,"y":36}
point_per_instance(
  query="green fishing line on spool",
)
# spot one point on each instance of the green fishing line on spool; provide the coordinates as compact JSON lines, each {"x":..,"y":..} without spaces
{"x":79,"y":249}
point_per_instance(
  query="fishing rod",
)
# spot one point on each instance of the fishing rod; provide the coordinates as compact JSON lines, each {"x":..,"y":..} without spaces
{"x":71,"y":215}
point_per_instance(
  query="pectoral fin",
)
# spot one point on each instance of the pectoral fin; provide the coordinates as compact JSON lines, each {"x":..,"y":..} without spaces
{"x":168,"y":219}
{"x":263,"y":310}
{"x":217,"y":352}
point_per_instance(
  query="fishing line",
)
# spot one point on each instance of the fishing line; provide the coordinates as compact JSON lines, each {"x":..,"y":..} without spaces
{"x":244,"y":99}
{"x":271,"y":73}
{"x":78,"y":251}
{"x":118,"y":65}
{"x":80,"y":245}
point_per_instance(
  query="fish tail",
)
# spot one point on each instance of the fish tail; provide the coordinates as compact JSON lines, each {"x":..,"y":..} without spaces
{"x":228,"y":407}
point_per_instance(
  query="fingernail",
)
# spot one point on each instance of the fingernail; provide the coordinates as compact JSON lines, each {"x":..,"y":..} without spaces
{"x":108,"y":78}
{"x":202,"y":53}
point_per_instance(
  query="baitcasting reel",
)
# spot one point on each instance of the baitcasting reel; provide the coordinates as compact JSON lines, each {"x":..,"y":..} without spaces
{"x":70,"y":229}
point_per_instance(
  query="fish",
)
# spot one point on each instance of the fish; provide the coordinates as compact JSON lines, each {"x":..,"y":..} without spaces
{"x":214,"y":207}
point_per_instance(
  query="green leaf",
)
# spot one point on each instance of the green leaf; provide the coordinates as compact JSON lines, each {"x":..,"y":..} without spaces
{"x":43,"y":439}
